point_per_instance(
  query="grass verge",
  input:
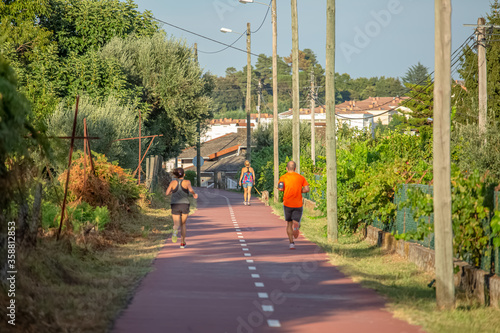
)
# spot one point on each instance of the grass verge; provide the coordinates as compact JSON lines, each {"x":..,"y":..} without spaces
{"x":74,"y":286}
{"x":404,"y":286}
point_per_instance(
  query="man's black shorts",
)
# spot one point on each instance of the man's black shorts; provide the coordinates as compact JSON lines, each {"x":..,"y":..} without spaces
{"x":292,"y":214}
{"x":178,"y":209}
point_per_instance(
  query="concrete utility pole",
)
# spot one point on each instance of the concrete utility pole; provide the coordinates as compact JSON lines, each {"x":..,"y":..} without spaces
{"x":249,"y":99}
{"x":331,"y":135}
{"x":198,"y":143}
{"x":295,"y":86}
{"x":482,"y":74}
{"x":313,"y":121}
{"x":445,"y":290}
{"x":275,"y":103}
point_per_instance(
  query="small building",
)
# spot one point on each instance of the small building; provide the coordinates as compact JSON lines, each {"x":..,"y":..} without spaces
{"x":359,"y":114}
{"x":223,"y":158}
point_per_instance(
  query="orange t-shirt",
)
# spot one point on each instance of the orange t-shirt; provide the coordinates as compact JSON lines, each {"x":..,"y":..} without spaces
{"x":292,"y":196}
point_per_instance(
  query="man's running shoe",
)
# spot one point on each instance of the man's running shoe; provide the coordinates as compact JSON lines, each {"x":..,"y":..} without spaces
{"x":183,"y":245}
{"x":174,"y":236}
{"x":296,"y":227}
{"x":292,"y":246}
{"x":248,"y":203}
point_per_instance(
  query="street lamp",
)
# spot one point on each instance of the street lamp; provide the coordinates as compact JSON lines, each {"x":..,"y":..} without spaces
{"x":275,"y":93}
{"x":248,"y":105}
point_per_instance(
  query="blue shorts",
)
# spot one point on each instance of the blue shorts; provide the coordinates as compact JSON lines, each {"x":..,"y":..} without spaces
{"x":245,"y":185}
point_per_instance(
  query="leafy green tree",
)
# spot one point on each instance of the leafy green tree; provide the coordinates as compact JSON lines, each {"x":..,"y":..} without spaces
{"x":228,"y":94}
{"x":18,"y":140}
{"x":14,"y":114}
{"x":108,"y":119}
{"x":173,"y":84}
{"x":421,"y":104}
{"x":85,"y":25}
{"x":416,"y":74}
{"x":388,"y":87}
{"x":47,"y":40}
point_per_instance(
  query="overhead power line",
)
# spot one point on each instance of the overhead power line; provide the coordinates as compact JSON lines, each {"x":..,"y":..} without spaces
{"x":264,"y":19}
{"x":205,"y":37}
{"x":223,"y":49}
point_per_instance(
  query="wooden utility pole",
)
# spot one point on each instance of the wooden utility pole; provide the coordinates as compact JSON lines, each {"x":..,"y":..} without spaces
{"x":140,"y":145}
{"x":259,"y":100}
{"x":198,"y":128}
{"x":445,"y":290}
{"x":313,"y":121}
{"x":249,"y":99}
{"x":275,"y":103}
{"x":295,"y":86}
{"x":331,"y":135}
{"x":482,"y":74}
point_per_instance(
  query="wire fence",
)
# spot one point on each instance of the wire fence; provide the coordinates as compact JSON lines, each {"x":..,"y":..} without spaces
{"x":405,"y":222}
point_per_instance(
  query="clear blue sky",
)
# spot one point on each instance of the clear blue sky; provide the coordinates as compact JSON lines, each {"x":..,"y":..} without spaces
{"x":373,"y":37}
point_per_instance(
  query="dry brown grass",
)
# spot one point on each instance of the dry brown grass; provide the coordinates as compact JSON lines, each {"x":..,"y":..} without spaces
{"x":80,"y":283}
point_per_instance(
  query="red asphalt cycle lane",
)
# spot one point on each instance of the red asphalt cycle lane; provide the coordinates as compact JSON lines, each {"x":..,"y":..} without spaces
{"x":237,"y":274}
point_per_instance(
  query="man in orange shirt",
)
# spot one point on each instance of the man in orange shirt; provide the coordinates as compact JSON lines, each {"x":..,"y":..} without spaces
{"x":293,"y":185}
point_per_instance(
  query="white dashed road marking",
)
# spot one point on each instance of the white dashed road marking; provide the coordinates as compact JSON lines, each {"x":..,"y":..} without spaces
{"x":267,"y":308}
{"x":273,"y":323}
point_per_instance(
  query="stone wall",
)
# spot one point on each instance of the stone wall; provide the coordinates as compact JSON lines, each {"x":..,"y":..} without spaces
{"x":477,"y":283}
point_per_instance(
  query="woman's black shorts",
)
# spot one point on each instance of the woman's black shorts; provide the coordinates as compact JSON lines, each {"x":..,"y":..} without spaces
{"x":178,"y":209}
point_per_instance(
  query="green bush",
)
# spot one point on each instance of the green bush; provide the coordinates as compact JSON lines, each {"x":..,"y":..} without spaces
{"x":368,"y":171}
{"x":51,"y":213}
{"x":191,"y":176}
{"x":84,"y":214}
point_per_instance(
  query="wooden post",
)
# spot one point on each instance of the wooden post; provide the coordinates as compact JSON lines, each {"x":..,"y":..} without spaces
{"x":313,"y":120}
{"x":259,"y":101}
{"x":69,"y":168}
{"x":275,"y":103}
{"x":249,"y":100}
{"x":331,"y":135}
{"x":198,"y":143}
{"x":445,"y":290}
{"x":84,"y":153}
{"x":147,"y":171}
{"x":482,"y":74}
{"x":295,"y":86}
{"x":140,"y":143}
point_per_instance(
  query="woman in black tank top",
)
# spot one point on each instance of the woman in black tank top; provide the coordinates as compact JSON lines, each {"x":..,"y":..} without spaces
{"x":179,"y":203}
